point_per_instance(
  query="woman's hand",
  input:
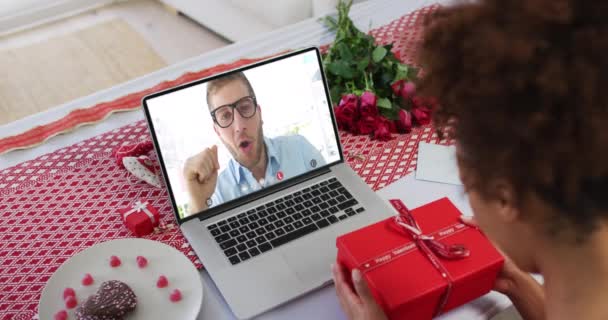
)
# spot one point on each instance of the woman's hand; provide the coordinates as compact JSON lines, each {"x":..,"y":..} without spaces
{"x":360,"y":304}
{"x":508,"y":278}
{"x":527,"y":295}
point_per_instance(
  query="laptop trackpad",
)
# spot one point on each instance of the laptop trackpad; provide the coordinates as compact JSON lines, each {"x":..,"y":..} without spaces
{"x":311,"y":260}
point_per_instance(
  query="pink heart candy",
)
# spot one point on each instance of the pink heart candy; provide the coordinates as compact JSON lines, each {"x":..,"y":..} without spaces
{"x":175,"y":296}
{"x":68,"y":292}
{"x":114,"y":261}
{"x":87,"y":280}
{"x":71,"y":302}
{"x":162,"y":282}
{"x":61,"y":315}
{"x":142,"y":262}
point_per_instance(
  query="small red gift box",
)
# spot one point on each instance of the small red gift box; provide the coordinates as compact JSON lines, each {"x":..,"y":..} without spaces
{"x":141,"y":218}
{"x":422,"y":263}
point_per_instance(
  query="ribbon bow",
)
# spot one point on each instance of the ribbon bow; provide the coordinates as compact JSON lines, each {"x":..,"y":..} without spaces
{"x":140,"y":207}
{"x":455,"y":251}
{"x":430,"y":247}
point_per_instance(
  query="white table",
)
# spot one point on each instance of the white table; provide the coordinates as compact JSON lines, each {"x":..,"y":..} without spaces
{"x":321,"y":304}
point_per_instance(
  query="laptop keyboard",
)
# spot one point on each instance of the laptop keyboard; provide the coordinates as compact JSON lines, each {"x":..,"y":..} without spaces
{"x":251,"y":233}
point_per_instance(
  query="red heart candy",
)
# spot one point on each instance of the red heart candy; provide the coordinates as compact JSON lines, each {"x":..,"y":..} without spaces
{"x":68,"y":292}
{"x":87,"y":280}
{"x":162,"y":282}
{"x":61,"y":315}
{"x":71,"y":302}
{"x":175,"y":296}
{"x":114,"y":261}
{"x":142,"y":262}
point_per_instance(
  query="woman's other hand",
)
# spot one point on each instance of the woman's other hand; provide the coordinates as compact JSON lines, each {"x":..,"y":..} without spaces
{"x":523,"y":290}
{"x":358,"y":304}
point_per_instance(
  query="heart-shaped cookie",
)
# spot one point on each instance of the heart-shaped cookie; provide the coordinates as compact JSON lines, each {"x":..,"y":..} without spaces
{"x":113,"y":300}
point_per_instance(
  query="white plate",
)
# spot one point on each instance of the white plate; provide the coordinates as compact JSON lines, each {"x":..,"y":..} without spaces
{"x":152,"y":302}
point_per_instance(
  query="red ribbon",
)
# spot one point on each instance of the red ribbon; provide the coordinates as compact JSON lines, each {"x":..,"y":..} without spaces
{"x":428,"y":245}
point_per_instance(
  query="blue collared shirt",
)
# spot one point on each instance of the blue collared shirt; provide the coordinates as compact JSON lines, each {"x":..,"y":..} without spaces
{"x":288,"y":156}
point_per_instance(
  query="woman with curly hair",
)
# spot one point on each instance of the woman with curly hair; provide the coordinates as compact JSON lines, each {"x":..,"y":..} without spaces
{"x":523,"y":90}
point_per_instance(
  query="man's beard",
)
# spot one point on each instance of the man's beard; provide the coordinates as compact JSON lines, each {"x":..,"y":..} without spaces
{"x":258,"y":152}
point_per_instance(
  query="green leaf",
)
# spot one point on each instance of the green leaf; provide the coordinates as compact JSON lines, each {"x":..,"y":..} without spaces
{"x":333,"y":68}
{"x":379,"y":53}
{"x":350,"y":86}
{"x":402,"y":72}
{"x":362,"y":64}
{"x":335,"y":94}
{"x":330,"y":22}
{"x":391,"y":114}
{"x":344,"y":51}
{"x":384,"y":103}
{"x":386,"y":78}
{"x":341,"y":69}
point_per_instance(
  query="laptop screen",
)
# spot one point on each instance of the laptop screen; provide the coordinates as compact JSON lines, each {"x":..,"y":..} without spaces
{"x":230,"y":136}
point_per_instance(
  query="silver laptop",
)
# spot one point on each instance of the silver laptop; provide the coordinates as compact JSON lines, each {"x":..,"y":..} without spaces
{"x":254,"y":167}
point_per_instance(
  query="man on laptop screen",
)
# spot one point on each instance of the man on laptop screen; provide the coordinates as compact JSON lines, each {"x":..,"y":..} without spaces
{"x":257,"y":161}
{"x":243,"y":131}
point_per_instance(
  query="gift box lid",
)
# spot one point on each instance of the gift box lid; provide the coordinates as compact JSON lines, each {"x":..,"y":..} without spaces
{"x":411,"y":277}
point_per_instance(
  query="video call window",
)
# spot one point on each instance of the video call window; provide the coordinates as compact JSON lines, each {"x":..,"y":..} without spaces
{"x":242,"y":132}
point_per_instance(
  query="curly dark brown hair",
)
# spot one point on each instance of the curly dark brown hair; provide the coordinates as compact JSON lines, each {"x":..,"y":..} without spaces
{"x":524,"y":87}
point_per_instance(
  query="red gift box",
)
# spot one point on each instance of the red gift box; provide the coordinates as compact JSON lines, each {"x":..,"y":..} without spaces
{"x":404,"y":266}
{"x":141,"y":218}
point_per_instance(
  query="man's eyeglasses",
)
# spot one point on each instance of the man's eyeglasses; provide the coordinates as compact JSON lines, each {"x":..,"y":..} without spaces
{"x":224,"y":115}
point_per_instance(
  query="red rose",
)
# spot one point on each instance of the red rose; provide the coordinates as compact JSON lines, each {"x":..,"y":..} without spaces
{"x":408,"y":90}
{"x":366,"y":125}
{"x":418,"y":102}
{"x":429,"y":103}
{"x":349,"y":99}
{"x":404,"y":123}
{"x":340,"y":119}
{"x":422,"y":115}
{"x":368,"y":104}
{"x":345,"y":118}
{"x":397,"y":86}
{"x":397,"y":55}
{"x":346,"y":113}
{"x":390,"y":125}
{"x":423,"y":109}
{"x":382,"y":132}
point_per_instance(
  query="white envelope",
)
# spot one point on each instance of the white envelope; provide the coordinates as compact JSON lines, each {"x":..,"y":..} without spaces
{"x":437,"y":163}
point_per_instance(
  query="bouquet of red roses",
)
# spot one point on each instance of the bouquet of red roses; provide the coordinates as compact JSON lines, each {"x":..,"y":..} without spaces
{"x":375,"y":90}
{"x":360,"y":114}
